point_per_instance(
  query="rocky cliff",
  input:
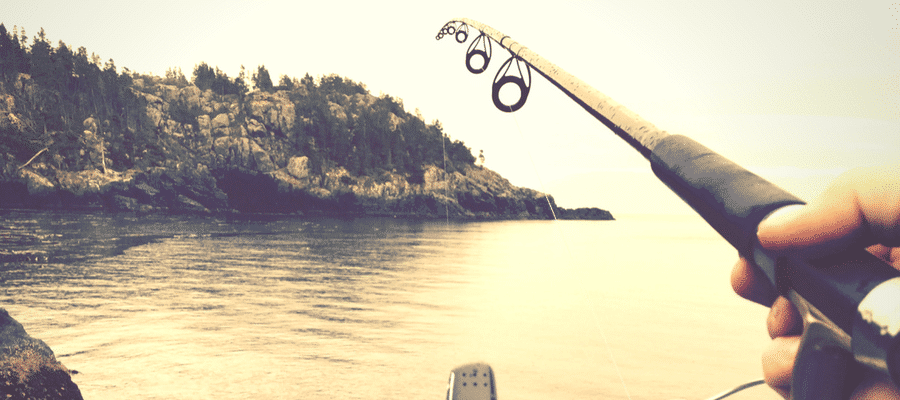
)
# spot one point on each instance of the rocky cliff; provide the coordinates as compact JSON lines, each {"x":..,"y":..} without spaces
{"x":231,"y":153}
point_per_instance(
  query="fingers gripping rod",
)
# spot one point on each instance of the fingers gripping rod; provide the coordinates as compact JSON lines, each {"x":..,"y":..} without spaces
{"x":848,"y":302}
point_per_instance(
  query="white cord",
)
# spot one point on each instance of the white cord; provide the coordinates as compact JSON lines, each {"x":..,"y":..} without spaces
{"x":727,"y":393}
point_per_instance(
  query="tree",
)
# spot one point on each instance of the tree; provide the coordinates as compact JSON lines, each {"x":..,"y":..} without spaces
{"x":204,"y":76}
{"x":261,"y":79}
{"x":13,"y":58}
{"x":23,"y":38}
{"x":458,"y":152}
{"x":240,"y":83}
{"x":174,"y":76}
{"x":222,"y":83}
{"x":86,"y":82}
{"x":6,"y":52}
{"x":337,"y":84}
{"x":40,"y":59}
{"x":62,"y":68}
{"x":286,"y":83}
{"x":308,"y":81}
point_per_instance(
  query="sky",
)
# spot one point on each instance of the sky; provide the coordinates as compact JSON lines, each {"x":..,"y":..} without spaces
{"x":795,"y":91}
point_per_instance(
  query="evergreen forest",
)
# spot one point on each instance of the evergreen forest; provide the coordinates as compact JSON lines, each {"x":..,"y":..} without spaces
{"x":69,"y":86}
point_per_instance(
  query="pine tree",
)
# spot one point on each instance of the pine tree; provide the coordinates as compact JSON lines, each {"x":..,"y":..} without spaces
{"x":261,"y":79}
{"x":286,"y":83}
{"x":204,"y":76}
{"x":5,"y":50}
{"x":40,"y":59}
{"x":240,"y":83}
{"x":62,"y":68}
{"x":308,"y":81}
{"x":12,"y":57}
{"x":174,"y":76}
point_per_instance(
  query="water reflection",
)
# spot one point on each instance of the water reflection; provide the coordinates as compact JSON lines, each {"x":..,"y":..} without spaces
{"x":180,"y":298}
{"x":258,"y":308}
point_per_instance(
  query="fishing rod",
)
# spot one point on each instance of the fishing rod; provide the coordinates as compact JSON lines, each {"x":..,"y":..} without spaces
{"x":848,"y":302}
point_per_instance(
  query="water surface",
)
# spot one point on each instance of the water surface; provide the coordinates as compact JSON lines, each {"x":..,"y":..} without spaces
{"x":163,"y":307}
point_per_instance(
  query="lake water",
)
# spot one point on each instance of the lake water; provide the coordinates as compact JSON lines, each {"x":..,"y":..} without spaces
{"x":162,"y":307}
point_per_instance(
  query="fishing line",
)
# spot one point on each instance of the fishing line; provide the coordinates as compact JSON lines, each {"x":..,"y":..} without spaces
{"x":597,"y":324}
{"x":534,"y":167}
{"x":446,"y":180}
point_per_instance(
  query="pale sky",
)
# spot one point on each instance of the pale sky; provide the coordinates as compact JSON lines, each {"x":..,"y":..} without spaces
{"x":797,"y":91}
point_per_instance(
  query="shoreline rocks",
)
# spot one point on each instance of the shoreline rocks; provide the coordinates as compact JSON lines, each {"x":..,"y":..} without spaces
{"x":471,"y":193}
{"x":28,"y":368}
{"x":586,"y":213}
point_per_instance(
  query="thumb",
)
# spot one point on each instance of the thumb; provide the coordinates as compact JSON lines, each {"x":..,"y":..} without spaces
{"x":859,"y":209}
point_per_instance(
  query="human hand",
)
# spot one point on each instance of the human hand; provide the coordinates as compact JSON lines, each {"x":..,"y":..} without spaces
{"x":861,"y":209}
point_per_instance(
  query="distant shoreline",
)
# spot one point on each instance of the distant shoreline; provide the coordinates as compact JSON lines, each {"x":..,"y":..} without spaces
{"x":583,"y":213}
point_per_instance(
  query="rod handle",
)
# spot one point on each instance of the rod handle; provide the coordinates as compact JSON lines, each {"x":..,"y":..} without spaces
{"x":730,"y":198}
{"x":734,"y":201}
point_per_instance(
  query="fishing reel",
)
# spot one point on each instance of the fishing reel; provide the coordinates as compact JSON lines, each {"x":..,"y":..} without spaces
{"x":480,"y":48}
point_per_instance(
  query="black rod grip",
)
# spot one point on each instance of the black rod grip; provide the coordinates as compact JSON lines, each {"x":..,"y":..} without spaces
{"x":734,"y":201}
{"x":730,"y":198}
{"x":834,"y":284}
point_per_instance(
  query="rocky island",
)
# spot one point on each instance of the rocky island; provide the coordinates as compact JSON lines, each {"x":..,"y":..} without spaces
{"x":75,"y":134}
